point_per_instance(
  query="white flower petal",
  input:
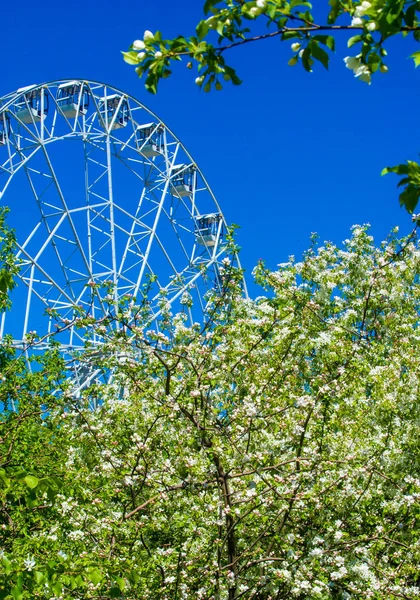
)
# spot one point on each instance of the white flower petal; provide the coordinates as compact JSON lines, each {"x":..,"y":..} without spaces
{"x":138,"y":45}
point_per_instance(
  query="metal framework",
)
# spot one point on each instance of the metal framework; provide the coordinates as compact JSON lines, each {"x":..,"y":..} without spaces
{"x":103,"y":196}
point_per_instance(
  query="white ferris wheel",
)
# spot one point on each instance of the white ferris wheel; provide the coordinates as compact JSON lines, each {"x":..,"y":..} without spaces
{"x":102,"y":195}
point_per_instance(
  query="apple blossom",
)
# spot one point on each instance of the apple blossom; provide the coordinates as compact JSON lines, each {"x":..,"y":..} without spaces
{"x":357,"y":22}
{"x":362,"y":8}
{"x":138,"y":45}
{"x":148,"y":36}
{"x":363,"y":73}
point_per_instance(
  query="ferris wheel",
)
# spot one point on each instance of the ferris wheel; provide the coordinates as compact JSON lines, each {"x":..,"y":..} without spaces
{"x":103,"y":197}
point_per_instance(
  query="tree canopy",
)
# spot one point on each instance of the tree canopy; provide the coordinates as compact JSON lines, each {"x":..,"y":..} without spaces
{"x":269,"y":453}
{"x":310,"y":33}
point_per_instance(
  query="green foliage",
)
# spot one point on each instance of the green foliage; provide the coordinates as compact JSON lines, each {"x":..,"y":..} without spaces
{"x":370,"y":24}
{"x":410,"y":171}
{"x":8,"y":264}
{"x":272,"y":452}
{"x":231,"y":23}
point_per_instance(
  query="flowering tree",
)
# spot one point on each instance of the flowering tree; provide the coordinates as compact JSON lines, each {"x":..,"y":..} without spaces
{"x":271,"y":453}
{"x":368,"y":25}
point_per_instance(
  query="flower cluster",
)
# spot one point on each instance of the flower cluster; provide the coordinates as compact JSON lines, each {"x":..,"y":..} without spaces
{"x":360,"y":69}
{"x":361,"y":11}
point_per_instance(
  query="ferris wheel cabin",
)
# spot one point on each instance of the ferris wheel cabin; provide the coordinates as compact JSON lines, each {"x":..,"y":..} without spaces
{"x":4,"y":128}
{"x":72,"y":99}
{"x":114,"y":111}
{"x":208,"y":229}
{"x":183,"y":180}
{"x":150,"y":139}
{"x":32,"y":106}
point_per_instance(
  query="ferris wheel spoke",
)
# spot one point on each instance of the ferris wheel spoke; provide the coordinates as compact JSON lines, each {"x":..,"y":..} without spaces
{"x":166,"y":254}
{"x":138,"y":229}
{"x":43,"y":272}
{"x":14,"y":170}
{"x":153,"y":232}
{"x":22,"y":126}
{"x":50,"y":231}
{"x":68,"y":213}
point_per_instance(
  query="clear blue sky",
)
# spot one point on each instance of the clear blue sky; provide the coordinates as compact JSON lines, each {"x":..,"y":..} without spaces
{"x":287,"y":153}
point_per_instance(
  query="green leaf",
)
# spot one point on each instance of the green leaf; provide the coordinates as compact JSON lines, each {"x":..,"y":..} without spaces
{"x":399,"y":169}
{"x":295,"y":3}
{"x":395,"y":11}
{"x":306,"y":60}
{"x":327,"y":40}
{"x":131,"y":58}
{"x":121,"y":583}
{"x":57,"y":588}
{"x":320,"y":55}
{"x":290,"y":35}
{"x":202,"y":29}
{"x":374,"y":61}
{"x":410,"y":15}
{"x":231,"y":73}
{"x":335,"y":11}
{"x":95,"y":576}
{"x":354,"y":40}
{"x":4,"y":477}
{"x":220,"y":27}
{"x":38,"y":576}
{"x":416,"y":58}
{"x":208,"y":5}
{"x":17,"y":593}
{"x":6,"y":281}
{"x":409,"y":198}
{"x":7,"y":564}
{"x":76,"y":582}
{"x":31,"y":481}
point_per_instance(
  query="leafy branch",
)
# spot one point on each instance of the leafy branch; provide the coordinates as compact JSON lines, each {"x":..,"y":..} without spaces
{"x":228,"y":25}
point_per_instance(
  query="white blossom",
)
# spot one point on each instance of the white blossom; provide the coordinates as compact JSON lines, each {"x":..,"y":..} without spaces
{"x":138,"y":45}
{"x":29,"y":563}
